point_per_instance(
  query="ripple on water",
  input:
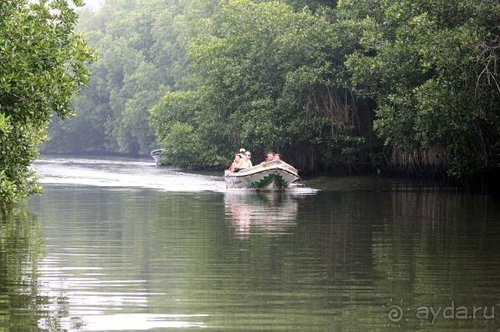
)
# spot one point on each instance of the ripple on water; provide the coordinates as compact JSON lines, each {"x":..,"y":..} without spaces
{"x":129,"y":322}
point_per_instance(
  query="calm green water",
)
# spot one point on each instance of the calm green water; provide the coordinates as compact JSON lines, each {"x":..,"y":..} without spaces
{"x":126,"y":246}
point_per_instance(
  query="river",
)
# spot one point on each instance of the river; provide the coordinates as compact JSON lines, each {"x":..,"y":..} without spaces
{"x":124,"y":245}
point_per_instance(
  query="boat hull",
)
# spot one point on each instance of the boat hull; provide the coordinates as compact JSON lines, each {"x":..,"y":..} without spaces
{"x":272,"y":176}
{"x":157,"y":154}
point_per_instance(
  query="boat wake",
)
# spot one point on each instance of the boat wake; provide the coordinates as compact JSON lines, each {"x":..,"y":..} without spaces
{"x":131,"y":174}
{"x":126,"y":174}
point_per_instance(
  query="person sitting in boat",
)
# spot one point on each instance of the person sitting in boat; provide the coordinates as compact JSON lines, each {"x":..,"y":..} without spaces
{"x":276,"y":157}
{"x":269,"y":157}
{"x":246,"y":162}
{"x":236,"y":162}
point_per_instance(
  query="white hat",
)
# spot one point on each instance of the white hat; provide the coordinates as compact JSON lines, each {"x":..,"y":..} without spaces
{"x":242,"y":150}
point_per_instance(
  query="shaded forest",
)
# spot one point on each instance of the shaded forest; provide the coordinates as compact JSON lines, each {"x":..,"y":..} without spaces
{"x":341,"y":87}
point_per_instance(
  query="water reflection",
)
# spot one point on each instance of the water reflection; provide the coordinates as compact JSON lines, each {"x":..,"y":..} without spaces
{"x":138,"y":322}
{"x":123,"y":322}
{"x":260,"y":212}
{"x":154,"y":259}
{"x":21,"y":247}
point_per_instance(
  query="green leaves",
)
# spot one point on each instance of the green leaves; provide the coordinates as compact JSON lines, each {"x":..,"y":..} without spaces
{"x":254,"y":67}
{"x":421,"y":70}
{"x":141,"y":57}
{"x":264,"y":76}
{"x":311,"y":78}
{"x":42,"y":66}
{"x":182,"y":146}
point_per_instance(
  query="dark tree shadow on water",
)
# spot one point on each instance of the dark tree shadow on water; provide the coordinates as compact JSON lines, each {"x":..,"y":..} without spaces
{"x":23,"y":306}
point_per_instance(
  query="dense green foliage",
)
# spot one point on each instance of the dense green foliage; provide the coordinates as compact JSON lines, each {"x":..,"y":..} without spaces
{"x":344,"y":86}
{"x":42,"y":64}
{"x":248,"y":66}
{"x":432,"y":72}
{"x":139,"y":61}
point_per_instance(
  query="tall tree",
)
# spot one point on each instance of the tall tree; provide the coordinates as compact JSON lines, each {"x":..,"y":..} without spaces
{"x":262,"y":78}
{"x":141,"y":58}
{"x":42,"y":65}
{"x":431,"y":68}
{"x":311,"y":78}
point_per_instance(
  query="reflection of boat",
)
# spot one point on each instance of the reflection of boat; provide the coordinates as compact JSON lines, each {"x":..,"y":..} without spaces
{"x":252,"y":212}
{"x":273,"y":175}
{"x":156,"y":154}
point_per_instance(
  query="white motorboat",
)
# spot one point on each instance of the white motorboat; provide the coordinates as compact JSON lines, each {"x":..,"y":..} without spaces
{"x":156,"y":154}
{"x":272,"y":175}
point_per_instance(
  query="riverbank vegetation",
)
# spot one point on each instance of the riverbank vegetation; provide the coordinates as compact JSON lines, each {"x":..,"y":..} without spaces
{"x":335,"y":86}
{"x":42,"y":65}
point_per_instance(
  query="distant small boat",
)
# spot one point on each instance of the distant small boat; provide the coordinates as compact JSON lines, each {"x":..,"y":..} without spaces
{"x":156,"y":154}
{"x":273,"y":175}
